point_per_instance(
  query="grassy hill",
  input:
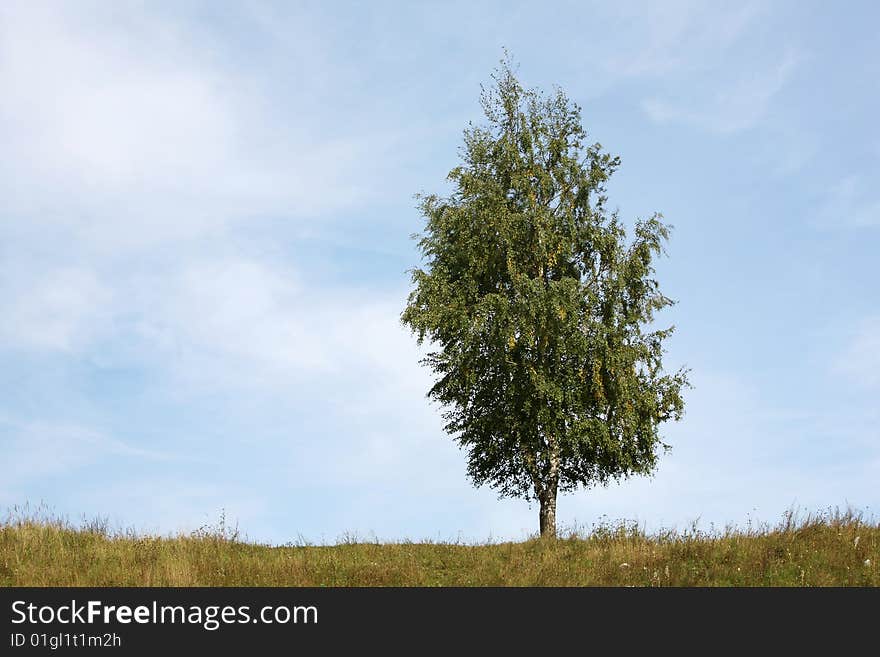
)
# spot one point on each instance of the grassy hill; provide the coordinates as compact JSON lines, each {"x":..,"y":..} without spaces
{"x":832,"y":549}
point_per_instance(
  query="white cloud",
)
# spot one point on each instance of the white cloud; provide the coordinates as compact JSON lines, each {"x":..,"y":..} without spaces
{"x":125,"y":130}
{"x":221,"y":322}
{"x":679,"y":37}
{"x":60,"y":310}
{"x":96,"y":106}
{"x":735,"y":107}
{"x":232,"y":322}
{"x":40,"y":449}
{"x":125,"y":135}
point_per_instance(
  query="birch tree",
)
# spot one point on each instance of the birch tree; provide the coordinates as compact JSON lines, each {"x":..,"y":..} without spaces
{"x":540,"y":308}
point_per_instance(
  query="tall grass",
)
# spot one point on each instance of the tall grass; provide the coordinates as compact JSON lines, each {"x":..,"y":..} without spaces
{"x":828,"y":549}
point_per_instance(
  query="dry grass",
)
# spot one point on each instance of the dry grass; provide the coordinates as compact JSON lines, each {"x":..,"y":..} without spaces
{"x":829,"y":549}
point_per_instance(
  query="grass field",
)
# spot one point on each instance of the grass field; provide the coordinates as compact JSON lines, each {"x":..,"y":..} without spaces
{"x":829,"y":549}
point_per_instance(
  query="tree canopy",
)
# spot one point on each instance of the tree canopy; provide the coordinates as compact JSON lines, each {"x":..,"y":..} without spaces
{"x":538,"y":307}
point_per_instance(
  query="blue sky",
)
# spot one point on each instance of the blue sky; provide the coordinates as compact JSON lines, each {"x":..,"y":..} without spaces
{"x":205,"y":211}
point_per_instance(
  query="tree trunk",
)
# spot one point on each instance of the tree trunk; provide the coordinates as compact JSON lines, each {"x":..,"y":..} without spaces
{"x":548,"y":513}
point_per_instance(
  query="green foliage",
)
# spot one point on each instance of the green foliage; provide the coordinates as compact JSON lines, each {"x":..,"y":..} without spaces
{"x":538,"y":305}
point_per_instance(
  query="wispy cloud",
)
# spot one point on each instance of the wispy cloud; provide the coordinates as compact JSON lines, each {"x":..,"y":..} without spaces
{"x":128,"y":141}
{"x":679,"y":37}
{"x":58,"y":310}
{"x":732,"y":108}
{"x":40,"y":448}
{"x":126,"y":130}
{"x":236,"y":322}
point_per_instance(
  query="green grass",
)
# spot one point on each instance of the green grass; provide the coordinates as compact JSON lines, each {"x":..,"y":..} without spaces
{"x":830,"y":549}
